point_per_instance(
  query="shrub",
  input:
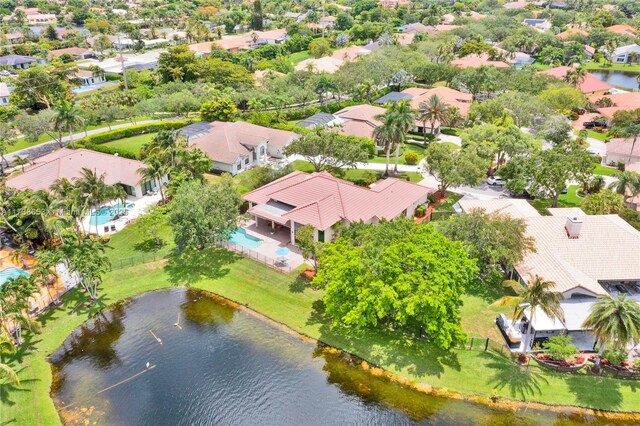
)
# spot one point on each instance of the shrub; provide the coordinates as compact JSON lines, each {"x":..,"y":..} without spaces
{"x":560,"y":348}
{"x":421,"y":210}
{"x":411,"y":158}
{"x":112,"y":150}
{"x":614,"y":357}
{"x":219,"y":109}
{"x":135,"y":130}
{"x":431,"y":198}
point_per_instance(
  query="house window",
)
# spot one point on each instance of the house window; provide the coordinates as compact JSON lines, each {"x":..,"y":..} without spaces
{"x":130,"y":190}
{"x":262,"y":150}
{"x":148,"y":186}
{"x":239,"y":166}
{"x":246,"y":160}
{"x":321,"y":236}
{"x":620,"y":59}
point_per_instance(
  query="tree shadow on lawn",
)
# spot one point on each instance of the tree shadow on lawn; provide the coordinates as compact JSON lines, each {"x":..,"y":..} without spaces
{"x":149,"y":245}
{"x":387,"y":348}
{"x":7,"y":388}
{"x":598,"y":391}
{"x":191,"y":266}
{"x":521,"y":382}
{"x":299,"y":285}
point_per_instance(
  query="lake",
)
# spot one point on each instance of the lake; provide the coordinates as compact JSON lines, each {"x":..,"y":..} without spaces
{"x":224,"y":366}
{"x":624,"y":79}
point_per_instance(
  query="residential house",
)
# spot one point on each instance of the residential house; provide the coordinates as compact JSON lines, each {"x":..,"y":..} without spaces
{"x":296,"y":16}
{"x":515,"y":5}
{"x":623,"y":150}
{"x":326,"y":64}
{"x":572,"y":31}
{"x":42,"y":19}
{"x":450,"y":17}
{"x":89,"y":78}
{"x":277,"y":36}
{"x":327,"y":21}
{"x":359,"y":120}
{"x":14,"y":38}
{"x":237,"y":146}
{"x":585,"y":256}
{"x":624,"y":101}
{"x":475,"y":60}
{"x":623,"y":29}
{"x":20,"y":61}
{"x":324,"y":202}
{"x":589,"y":51}
{"x":417,"y":27}
{"x":77,"y":53}
{"x":393,"y":4}
{"x":591,"y":84}
{"x":633,"y":201}
{"x":626,"y":54}
{"x":539,"y":24}
{"x":4,"y":94}
{"x":68,"y":164}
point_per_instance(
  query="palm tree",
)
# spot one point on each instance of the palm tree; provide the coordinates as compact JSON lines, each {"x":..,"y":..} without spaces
{"x":155,"y":170}
{"x":538,"y":295}
{"x":7,"y":347}
{"x":384,"y":138}
{"x":614,"y":322}
{"x":431,"y":110}
{"x":627,"y":183}
{"x":627,"y":129}
{"x":21,"y":161}
{"x":576,"y":76}
{"x":93,"y":188}
{"x":67,"y":118}
{"x":403,"y":119}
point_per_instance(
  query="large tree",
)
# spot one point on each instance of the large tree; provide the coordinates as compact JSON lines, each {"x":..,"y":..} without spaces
{"x":202,"y":215}
{"x":453,"y":167}
{"x":67,"y":118}
{"x":603,"y":202}
{"x":615,"y":322}
{"x":326,"y":150}
{"x":396,"y":275}
{"x":433,"y":110}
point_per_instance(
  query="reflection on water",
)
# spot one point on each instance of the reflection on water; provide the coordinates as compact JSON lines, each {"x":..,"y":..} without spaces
{"x":627,"y":80}
{"x":224,"y":366}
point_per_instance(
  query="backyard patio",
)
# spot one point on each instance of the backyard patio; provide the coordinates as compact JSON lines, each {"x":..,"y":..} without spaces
{"x":115,"y":215}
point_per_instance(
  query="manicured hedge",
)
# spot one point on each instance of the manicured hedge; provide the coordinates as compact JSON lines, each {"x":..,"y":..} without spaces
{"x":134,"y":130}
{"x":110,"y":150}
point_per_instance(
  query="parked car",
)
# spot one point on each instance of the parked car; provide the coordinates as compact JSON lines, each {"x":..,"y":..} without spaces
{"x":495,"y":180}
{"x":593,"y":124}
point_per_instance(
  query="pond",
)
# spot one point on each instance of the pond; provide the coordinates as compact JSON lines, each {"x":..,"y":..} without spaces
{"x":624,"y":79}
{"x":220,"y":365}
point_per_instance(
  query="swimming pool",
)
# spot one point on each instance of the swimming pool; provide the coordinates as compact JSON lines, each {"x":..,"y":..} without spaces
{"x":105,"y":214}
{"x":241,"y":238}
{"x":11,"y":272}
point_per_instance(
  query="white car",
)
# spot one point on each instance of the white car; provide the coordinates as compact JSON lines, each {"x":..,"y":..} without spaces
{"x":495,"y":180}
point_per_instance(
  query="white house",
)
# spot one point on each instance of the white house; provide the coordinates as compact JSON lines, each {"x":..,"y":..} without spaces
{"x":88,"y":77}
{"x":626,"y":54}
{"x":4,"y":94}
{"x":237,"y":146}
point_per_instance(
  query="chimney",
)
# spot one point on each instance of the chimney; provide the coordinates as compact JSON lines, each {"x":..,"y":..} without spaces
{"x":573,"y":226}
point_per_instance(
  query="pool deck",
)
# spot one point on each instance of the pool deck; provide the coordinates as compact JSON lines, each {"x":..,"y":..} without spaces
{"x":141,"y":205}
{"x":271,"y":242}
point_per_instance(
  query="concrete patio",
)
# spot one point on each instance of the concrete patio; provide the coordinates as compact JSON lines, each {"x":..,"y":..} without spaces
{"x":271,"y":242}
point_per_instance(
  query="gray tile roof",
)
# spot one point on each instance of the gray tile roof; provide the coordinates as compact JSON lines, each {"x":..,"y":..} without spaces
{"x":16,"y":60}
{"x":317,"y":119}
{"x":394,"y":97}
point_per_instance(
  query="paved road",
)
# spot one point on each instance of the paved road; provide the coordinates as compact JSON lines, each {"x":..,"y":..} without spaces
{"x":46,"y":147}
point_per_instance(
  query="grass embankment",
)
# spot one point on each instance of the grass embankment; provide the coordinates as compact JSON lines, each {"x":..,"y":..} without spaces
{"x":286,"y":299}
{"x":605,"y":66}
{"x":570,"y":199}
{"x":297,"y":57}
{"x":601,"y":170}
{"x":354,"y":175}
{"x":132,"y":144}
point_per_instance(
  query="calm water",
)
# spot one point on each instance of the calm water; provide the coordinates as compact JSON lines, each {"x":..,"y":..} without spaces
{"x":227,"y":367}
{"x":627,"y":80}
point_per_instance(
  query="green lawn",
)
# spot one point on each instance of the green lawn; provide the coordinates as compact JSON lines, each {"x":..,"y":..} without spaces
{"x":294,"y":58}
{"x":570,"y":199}
{"x":417,"y":147}
{"x":613,"y":67}
{"x":604,"y":137}
{"x":601,"y":170}
{"x":133,"y":144}
{"x":286,"y":300}
{"x":356,"y":174}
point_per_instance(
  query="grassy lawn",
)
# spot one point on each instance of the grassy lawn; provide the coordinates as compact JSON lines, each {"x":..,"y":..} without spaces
{"x":132,"y":144}
{"x":613,"y":67}
{"x":294,"y":58}
{"x":570,"y":199}
{"x":285,"y":299}
{"x":447,"y":204}
{"x":355,"y":174}
{"x":417,"y":147}
{"x":604,"y":137}
{"x":601,"y":170}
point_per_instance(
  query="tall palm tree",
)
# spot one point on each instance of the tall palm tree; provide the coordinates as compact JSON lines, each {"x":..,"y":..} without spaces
{"x":538,"y":295}
{"x":576,"y":76}
{"x":627,"y":129}
{"x":67,"y":118}
{"x":403,"y":119}
{"x":431,"y":110}
{"x":384,"y":138}
{"x":627,"y":183}
{"x":614,"y":322}
{"x":154,"y":170}
{"x":93,"y":188}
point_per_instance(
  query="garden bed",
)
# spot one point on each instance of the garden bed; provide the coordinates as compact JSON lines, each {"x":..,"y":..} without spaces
{"x":621,"y":371}
{"x":562,"y":366}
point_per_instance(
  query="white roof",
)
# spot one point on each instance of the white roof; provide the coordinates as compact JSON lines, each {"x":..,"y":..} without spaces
{"x":576,"y":312}
{"x":515,"y":208}
{"x":608,"y":248}
{"x":542,"y":322}
{"x":627,"y":49}
{"x":4,"y":90}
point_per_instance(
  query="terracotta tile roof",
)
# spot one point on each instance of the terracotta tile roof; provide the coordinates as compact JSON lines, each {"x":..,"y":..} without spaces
{"x":571,"y":32}
{"x":606,"y":249}
{"x":67,"y":163}
{"x":328,"y":64}
{"x":350,"y":53}
{"x":224,"y":142}
{"x":449,"y":96}
{"x":321,"y":200}
{"x":590,"y":84}
{"x":476,"y":61}
{"x":622,"y":146}
{"x":359,"y":120}
{"x":515,"y":5}
{"x":623,"y":29}
{"x":629,"y":100}
{"x":70,"y":50}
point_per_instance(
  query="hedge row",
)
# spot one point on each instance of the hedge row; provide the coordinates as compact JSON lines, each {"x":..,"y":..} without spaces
{"x":111,"y":150}
{"x":134,"y":130}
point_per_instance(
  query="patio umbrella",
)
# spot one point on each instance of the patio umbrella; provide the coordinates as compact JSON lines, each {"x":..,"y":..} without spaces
{"x":282,"y":253}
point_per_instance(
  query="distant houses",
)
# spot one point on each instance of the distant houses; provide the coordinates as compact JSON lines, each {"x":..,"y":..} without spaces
{"x":20,"y":62}
{"x":4,"y":94}
{"x":626,"y":54}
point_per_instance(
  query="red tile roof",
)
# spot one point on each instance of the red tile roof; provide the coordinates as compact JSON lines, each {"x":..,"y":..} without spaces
{"x":476,"y":61}
{"x":449,"y":96}
{"x":622,"y":146}
{"x":590,"y":84}
{"x":321,"y":200}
